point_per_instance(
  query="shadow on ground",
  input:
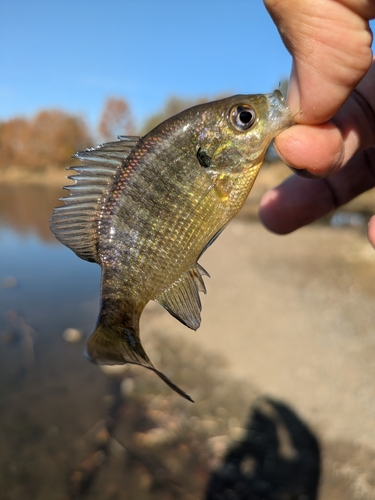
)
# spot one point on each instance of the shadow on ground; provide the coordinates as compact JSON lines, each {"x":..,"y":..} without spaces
{"x":277,"y":459}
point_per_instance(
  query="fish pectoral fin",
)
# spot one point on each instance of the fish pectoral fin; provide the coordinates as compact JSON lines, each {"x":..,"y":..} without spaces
{"x":182,"y":300}
{"x":76,"y":224}
{"x":110,"y":345}
{"x":212,"y":240}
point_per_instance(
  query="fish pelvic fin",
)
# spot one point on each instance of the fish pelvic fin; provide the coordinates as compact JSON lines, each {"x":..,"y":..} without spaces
{"x":117,"y":345}
{"x":76,"y":224}
{"x":182,"y":300}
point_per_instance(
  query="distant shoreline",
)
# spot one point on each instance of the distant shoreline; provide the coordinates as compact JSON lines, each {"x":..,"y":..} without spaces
{"x":270,"y":175}
{"x":53,"y":176}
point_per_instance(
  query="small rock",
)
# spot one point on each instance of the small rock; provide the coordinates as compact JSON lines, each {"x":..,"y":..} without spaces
{"x":127,"y":386}
{"x":72,"y":335}
{"x":114,"y":370}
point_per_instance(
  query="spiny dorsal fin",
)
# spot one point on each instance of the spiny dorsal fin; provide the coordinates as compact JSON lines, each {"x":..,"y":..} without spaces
{"x":75,"y":224}
{"x":182,"y":298}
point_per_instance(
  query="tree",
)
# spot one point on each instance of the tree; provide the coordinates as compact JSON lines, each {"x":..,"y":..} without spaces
{"x":116,"y":119}
{"x":48,"y":139}
{"x":14,"y":140}
{"x":56,"y":136}
{"x":173,"y":106}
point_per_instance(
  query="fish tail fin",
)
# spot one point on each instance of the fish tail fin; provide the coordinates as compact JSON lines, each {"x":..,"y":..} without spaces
{"x":116,"y":345}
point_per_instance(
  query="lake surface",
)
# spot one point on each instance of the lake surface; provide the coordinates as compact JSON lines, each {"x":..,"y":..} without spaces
{"x":50,"y":288}
{"x":69,"y":430}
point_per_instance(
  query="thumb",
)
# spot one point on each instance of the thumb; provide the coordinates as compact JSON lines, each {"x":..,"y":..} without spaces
{"x":331,"y":48}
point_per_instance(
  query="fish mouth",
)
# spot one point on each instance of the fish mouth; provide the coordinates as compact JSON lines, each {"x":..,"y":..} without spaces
{"x":279,"y":113}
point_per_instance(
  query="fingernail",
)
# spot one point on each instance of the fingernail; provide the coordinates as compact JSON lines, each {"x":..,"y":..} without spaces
{"x":293,"y":93}
{"x":303,"y":172}
{"x":279,"y":154}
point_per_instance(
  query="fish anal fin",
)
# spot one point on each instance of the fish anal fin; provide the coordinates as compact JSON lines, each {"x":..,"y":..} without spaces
{"x":75,"y":224}
{"x":182,"y":300}
{"x":118,"y":345}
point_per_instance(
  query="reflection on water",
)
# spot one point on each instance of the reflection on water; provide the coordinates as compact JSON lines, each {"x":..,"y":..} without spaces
{"x":68,"y":429}
{"x":52,"y":287}
{"x":26,"y":209}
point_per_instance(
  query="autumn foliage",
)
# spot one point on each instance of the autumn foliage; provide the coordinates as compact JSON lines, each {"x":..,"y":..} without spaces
{"x":48,"y":139}
{"x":116,"y":119}
{"x":51,"y":137}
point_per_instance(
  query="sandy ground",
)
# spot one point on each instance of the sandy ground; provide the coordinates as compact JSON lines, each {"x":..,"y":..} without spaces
{"x":294,"y":317}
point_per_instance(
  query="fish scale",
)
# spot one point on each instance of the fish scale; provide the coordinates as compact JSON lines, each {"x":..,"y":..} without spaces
{"x":145,"y":210}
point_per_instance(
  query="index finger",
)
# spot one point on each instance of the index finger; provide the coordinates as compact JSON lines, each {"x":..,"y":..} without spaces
{"x":299,"y":201}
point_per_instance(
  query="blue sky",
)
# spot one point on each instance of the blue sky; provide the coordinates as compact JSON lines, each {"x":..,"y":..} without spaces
{"x":73,"y":54}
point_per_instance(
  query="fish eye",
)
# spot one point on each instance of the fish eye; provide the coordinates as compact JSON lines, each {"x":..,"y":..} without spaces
{"x":243,"y":117}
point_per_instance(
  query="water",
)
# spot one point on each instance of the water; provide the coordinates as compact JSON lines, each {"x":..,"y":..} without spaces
{"x":43,"y":290}
{"x":69,"y":430}
{"x":53,"y":289}
{"x":52,"y":285}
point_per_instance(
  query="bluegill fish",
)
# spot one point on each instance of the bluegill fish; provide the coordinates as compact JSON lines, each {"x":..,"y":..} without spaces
{"x":145,"y":209}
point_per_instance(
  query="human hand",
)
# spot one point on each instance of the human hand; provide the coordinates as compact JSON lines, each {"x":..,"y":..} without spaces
{"x":331,"y":46}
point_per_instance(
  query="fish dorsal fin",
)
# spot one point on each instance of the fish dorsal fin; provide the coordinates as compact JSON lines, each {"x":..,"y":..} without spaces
{"x":75,"y":224}
{"x":182,"y":300}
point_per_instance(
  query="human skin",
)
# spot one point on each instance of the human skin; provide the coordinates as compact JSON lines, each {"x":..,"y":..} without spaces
{"x":332,"y":100}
